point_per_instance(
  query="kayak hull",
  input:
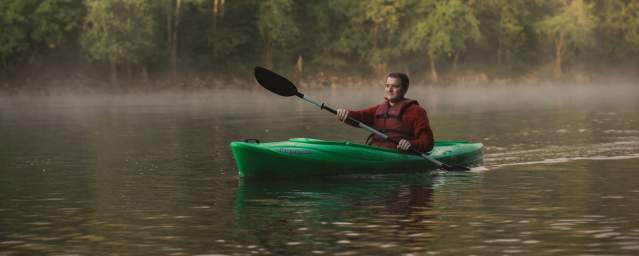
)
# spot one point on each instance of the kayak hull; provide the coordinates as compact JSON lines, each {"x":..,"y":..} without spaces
{"x":304,"y":157}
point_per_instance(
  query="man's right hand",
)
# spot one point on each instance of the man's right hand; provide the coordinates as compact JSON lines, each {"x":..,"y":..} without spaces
{"x":342,"y":114}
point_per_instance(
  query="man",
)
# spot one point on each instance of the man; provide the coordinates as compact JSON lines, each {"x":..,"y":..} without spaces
{"x":401,"y":119}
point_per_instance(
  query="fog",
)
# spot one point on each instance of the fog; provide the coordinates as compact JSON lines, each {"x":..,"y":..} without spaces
{"x":434,"y":98}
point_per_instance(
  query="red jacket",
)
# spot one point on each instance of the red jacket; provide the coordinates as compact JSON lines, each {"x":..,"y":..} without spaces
{"x":414,"y":116}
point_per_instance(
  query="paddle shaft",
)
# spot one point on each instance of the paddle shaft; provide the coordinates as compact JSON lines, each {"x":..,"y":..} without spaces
{"x":321,"y":105}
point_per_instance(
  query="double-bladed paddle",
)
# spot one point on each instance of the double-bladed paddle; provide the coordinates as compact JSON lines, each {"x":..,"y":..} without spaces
{"x":283,"y":87}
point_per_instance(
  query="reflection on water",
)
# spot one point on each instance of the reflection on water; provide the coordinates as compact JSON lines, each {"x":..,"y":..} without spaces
{"x":153,"y":175}
{"x":337,"y":214}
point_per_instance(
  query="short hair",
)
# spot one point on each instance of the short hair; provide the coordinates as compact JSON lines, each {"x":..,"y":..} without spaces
{"x":402,"y":78}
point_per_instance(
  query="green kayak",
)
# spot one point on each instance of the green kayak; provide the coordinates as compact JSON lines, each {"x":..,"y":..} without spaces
{"x":304,"y":157}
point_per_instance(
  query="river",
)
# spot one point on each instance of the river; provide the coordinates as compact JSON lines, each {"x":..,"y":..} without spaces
{"x":154,"y":175}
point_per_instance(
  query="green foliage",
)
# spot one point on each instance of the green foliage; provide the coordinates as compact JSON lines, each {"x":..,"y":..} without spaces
{"x":441,"y":28}
{"x":225,"y":38}
{"x":232,"y":40}
{"x":352,"y":38}
{"x":231,"y":34}
{"x":16,"y":28}
{"x":574,"y":22}
{"x":55,"y":20}
{"x":228,"y":36}
{"x":119,"y":30}
{"x":317,"y":44}
{"x":275,"y":22}
{"x":30,"y":26}
{"x":383,"y":17}
{"x":358,"y":32}
{"x":504,"y":24}
{"x":631,"y":30}
{"x":570,"y":30}
{"x":619,"y":28}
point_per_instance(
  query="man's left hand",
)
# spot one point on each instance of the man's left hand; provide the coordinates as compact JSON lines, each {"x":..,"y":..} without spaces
{"x":403,"y":145}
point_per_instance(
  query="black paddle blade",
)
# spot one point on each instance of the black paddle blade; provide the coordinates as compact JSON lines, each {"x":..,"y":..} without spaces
{"x":274,"y":82}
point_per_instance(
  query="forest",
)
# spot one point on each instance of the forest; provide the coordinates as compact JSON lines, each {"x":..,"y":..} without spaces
{"x":152,"y":44}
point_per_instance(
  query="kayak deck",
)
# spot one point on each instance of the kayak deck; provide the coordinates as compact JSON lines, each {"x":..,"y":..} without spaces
{"x":304,"y":157}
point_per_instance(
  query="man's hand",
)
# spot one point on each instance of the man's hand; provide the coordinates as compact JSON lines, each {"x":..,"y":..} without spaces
{"x":342,"y":114}
{"x":403,"y":145}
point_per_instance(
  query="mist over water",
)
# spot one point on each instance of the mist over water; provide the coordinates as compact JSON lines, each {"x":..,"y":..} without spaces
{"x":565,"y":121}
{"x":153,"y":174}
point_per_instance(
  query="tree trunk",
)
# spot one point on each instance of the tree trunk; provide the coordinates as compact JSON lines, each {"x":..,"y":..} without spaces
{"x":169,"y":23}
{"x":145,"y":75}
{"x":433,"y":71}
{"x":218,"y":11}
{"x":299,"y":69}
{"x":500,"y":54}
{"x":381,"y":69}
{"x":559,"y":45}
{"x":268,"y":54}
{"x":129,"y":72}
{"x":113,"y":73}
{"x":299,"y":66}
{"x":455,"y":61}
{"x":173,"y":41}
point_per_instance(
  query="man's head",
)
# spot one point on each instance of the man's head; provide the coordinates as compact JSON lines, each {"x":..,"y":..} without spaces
{"x":396,"y":86}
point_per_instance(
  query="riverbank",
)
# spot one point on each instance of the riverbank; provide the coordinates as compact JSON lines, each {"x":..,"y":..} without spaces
{"x":82,"y":83}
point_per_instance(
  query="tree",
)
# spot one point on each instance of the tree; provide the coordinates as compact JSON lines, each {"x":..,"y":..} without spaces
{"x":619,"y":28}
{"x":16,"y":27}
{"x":366,"y":31}
{"x":350,"y":38}
{"x":383,"y":17}
{"x":229,"y":37}
{"x":277,"y":26}
{"x":569,"y":29}
{"x":55,"y":20}
{"x":631,"y":15}
{"x":31,"y":28}
{"x":319,"y":24}
{"x":173,"y":10}
{"x":120,"y":32}
{"x":440,"y":28}
{"x":506,"y":27}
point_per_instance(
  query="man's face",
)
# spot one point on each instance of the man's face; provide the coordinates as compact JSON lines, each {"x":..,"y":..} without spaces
{"x":393,"y":90}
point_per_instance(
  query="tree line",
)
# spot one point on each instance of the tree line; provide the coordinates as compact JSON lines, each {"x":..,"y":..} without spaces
{"x":143,"y":38}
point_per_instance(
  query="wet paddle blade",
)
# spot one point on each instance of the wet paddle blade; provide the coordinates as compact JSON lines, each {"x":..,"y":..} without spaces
{"x":274,"y":82}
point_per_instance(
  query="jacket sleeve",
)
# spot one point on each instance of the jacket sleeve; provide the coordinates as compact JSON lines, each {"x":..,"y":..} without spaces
{"x":424,"y":138}
{"x":366,"y":116}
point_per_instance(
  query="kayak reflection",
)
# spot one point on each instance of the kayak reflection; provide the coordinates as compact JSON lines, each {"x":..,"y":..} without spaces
{"x":333,"y":209}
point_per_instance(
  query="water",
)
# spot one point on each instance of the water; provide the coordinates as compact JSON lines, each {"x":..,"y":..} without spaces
{"x":153,"y":175}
